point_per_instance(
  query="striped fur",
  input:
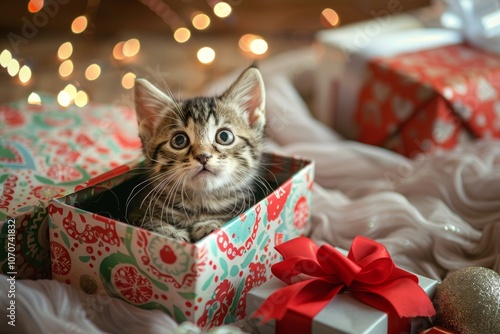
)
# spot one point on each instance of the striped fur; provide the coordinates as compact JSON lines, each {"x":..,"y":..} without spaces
{"x":202,"y":157}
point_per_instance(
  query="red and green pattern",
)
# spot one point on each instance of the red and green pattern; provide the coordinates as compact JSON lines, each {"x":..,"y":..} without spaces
{"x":206,"y":282}
{"x":45,"y":152}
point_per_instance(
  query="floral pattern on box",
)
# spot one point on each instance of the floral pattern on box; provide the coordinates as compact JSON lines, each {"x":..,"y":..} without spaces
{"x":45,"y":152}
{"x":430,"y":100}
{"x":205,"y":282}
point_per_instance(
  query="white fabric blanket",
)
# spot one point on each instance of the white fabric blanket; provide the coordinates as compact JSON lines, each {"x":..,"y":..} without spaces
{"x":435,"y":214}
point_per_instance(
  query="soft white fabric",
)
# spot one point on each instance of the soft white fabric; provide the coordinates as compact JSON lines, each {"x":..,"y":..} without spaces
{"x":46,"y":306}
{"x":435,"y":214}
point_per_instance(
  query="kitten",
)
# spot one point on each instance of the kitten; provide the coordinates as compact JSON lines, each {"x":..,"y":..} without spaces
{"x":202,"y":156}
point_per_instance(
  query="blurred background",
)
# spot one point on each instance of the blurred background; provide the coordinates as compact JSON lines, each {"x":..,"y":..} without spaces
{"x":90,"y":51}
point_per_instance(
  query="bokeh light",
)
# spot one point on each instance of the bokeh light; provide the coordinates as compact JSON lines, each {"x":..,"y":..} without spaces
{"x":66,"y":68}
{"x":79,"y":24}
{"x":118,"y":51}
{"x":65,"y":50}
{"x":329,"y":18}
{"x":92,"y":72}
{"x":182,"y":35}
{"x":128,"y":80}
{"x":35,"y":5}
{"x":206,"y":55}
{"x":81,"y":99}
{"x":25,"y":74}
{"x":63,"y":98}
{"x":35,"y":99}
{"x":200,"y":21}
{"x":245,"y":41}
{"x":13,"y":67}
{"x":71,"y":90}
{"x":5,"y":58}
{"x":131,"y":47}
{"x":222,"y":9}
{"x":258,"y":46}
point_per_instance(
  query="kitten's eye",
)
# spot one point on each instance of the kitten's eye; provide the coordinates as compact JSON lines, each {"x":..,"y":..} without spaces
{"x":179,"y":141}
{"x":224,"y":137}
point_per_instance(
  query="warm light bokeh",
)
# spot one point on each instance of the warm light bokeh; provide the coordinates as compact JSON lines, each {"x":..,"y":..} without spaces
{"x":63,"y":98}
{"x":200,"y":21}
{"x":131,"y":47}
{"x":65,"y":51}
{"x":182,"y":35}
{"x":13,"y":67}
{"x":81,"y":99}
{"x":79,"y":24}
{"x":258,"y":46}
{"x":35,"y":99}
{"x":66,"y":68}
{"x":35,"y":5}
{"x":206,"y":55}
{"x":71,"y":90}
{"x":330,"y":18}
{"x":222,"y":9}
{"x":118,"y":51}
{"x":5,"y":58}
{"x":92,"y":72}
{"x":128,"y":80}
{"x":25,"y":74}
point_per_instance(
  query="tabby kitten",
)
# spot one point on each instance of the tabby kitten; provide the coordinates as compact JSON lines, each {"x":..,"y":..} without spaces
{"x":202,"y":156}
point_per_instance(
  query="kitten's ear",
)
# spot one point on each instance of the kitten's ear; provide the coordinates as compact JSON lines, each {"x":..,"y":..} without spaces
{"x":249,"y":94}
{"x":150,"y":104}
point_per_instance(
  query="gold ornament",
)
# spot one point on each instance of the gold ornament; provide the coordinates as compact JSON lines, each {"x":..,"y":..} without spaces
{"x":468,"y":301}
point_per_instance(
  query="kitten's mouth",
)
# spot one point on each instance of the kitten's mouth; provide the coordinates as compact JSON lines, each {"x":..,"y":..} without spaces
{"x":204,"y":171}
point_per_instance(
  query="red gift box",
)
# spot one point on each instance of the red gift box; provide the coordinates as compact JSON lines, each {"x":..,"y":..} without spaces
{"x":429,"y":100}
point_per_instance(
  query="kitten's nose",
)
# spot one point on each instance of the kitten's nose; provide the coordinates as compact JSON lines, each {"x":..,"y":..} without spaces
{"x":203,"y":158}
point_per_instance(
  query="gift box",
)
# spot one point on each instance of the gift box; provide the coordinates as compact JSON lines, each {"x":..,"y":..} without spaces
{"x":45,"y":152}
{"x":408,"y":84}
{"x":342,"y":311}
{"x":430,"y":100}
{"x":204,"y":282}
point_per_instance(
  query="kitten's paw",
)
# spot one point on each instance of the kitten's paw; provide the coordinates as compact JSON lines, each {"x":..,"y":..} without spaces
{"x":173,"y":232}
{"x":201,"y":229}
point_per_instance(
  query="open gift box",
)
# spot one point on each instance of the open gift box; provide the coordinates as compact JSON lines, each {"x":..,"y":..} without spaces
{"x":204,"y":282}
{"x":46,"y":151}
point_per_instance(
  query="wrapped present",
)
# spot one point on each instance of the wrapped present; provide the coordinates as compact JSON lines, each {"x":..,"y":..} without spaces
{"x":428,"y":100}
{"x":45,"y":152}
{"x":320,"y":290}
{"x":417,"y":90}
{"x":204,"y":282}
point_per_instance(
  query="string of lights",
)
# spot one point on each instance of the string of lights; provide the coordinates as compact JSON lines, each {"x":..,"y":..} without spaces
{"x":252,"y":45}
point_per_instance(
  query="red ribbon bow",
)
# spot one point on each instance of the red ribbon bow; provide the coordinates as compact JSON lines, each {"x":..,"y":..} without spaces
{"x":368,"y":272}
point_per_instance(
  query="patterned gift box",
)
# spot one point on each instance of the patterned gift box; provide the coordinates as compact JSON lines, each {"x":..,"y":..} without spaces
{"x":204,"y":282}
{"x":430,"y":100}
{"x":45,"y":152}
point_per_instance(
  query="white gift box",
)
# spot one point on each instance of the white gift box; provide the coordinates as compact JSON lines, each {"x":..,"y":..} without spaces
{"x":344,"y":52}
{"x":343,"y":315}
